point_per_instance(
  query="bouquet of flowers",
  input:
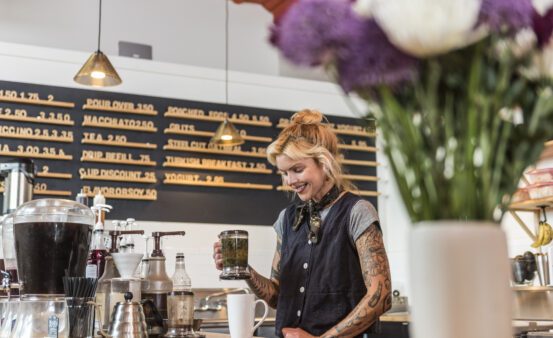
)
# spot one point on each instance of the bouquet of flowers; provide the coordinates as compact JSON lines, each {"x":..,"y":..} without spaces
{"x":460,"y":89}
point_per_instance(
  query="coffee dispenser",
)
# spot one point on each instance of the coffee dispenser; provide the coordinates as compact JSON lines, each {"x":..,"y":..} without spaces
{"x":52,"y":238}
{"x":157,"y":283}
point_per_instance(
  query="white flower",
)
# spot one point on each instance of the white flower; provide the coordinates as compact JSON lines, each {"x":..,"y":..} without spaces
{"x":364,"y":8}
{"x":542,"y":6}
{"x":525,"y":41}
{"x":428,"y":27}
{"x":543,"y":61}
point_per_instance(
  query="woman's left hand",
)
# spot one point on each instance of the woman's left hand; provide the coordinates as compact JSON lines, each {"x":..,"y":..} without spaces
{"x":296,"y":333}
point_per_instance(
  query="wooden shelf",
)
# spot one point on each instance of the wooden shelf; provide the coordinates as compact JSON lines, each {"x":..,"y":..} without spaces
{"x":360,"y":163}
{"x":367,"y":149}
{"x":113,"y":126}
{"x":124,"y":197}
{"x":367,"y":193}
{"x":361,"y":178}
{"x":39,"y":138}
{"x":120,"y":110}
{"x":214,"y":151}
{"x":532,"y":205}
{"x":217,"y":119}
{"x":59,"y":104}
{"x":54,"y":175}
{"x":129,"y":162}
{"x":52,"y":192}
{"x":357,"y":192}
{"x":222,"y":184}
{"x":204,"y":167}
{"x":210,"y":134}
{"x":45,"y":156}
{"x":118,"y":179}
{"x":31,"y":119}
{"x":367,"y":134}
{"x":121,"y":144}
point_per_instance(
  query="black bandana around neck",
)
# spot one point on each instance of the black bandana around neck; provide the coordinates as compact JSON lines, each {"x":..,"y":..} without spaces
{"x":312,"y":210}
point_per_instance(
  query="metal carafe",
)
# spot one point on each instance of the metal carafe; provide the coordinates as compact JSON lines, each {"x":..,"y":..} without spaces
{"x":127,"y":320}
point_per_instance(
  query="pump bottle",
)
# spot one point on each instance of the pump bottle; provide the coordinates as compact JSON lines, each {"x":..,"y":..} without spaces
{"x":157,"y":283}
{"x":95,"y":263}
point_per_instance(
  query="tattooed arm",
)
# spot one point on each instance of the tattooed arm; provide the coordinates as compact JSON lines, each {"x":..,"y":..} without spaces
{"x":376,"y":274}
{"x":267,"y":289}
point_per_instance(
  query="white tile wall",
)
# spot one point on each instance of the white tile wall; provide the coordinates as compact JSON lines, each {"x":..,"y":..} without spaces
{"x":197,"y":246}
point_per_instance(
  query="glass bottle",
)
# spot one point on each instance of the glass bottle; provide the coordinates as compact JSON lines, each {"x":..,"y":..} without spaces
{"x":181,"y":280}
{"x":180,"y":303}
{"x":96,"y":262}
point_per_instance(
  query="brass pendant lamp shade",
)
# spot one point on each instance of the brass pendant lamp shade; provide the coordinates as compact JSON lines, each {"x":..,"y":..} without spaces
{"x":97,"y":70}
{"x":227,"y":135}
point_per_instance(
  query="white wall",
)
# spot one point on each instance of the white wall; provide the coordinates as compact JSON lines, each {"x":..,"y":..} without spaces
{"x":23,"y":63}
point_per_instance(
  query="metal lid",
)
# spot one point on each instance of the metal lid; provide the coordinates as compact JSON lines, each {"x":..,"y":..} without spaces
{"x":53,"y":210}
{"x":233,"y":232}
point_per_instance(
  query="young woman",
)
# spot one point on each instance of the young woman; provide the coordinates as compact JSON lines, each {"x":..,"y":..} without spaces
{"x":330,"y":275}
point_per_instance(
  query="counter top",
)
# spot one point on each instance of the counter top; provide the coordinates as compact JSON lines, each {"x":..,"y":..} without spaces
{"x":217,"y":335}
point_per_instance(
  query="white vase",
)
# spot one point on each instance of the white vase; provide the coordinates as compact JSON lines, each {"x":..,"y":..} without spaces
{"x":459,"y":272}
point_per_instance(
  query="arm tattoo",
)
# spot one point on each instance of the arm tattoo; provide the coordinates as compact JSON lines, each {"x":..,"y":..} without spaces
{"x":376,"y":274}
{"x":264,"y":288}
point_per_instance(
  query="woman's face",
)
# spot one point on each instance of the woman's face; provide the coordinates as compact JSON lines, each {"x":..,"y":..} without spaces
{"x":304,"y":176}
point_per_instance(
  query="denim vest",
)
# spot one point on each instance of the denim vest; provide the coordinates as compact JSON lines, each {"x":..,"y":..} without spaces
{"x":320,"y":284}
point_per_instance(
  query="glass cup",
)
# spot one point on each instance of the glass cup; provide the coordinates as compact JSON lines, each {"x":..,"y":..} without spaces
{"x":234,"y":247}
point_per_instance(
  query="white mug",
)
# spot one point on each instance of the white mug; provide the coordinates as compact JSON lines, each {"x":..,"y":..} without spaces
{"x":241,"y":314}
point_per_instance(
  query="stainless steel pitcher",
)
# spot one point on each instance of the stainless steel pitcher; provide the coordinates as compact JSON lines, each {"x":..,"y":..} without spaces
{"x":127,"y":320}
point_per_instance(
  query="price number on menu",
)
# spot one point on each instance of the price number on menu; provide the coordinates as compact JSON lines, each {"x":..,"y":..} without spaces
{"x":13,"y":94}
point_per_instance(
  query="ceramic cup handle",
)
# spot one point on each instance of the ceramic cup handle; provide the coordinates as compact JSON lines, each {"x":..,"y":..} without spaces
{"x":266,"y":306}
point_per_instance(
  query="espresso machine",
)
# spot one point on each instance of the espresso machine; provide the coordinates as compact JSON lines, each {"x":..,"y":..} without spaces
{"x":52,"y":238}
{"x":18,"y":176}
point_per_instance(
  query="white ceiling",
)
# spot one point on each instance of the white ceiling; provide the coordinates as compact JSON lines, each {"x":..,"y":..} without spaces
{"x":188,"y":32}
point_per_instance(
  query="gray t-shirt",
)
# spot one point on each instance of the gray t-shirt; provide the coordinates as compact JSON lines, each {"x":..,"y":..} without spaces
{"x":363,"y":214}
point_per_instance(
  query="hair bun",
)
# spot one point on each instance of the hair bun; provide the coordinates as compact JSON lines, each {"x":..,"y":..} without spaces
{"x":307,"y":116}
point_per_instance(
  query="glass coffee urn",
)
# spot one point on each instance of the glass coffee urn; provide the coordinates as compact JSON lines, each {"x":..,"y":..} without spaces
{"x":52,"y":238}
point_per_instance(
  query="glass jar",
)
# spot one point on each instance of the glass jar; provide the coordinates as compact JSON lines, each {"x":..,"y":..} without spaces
{"x":234,"y":247}
{"x":52,"y":238}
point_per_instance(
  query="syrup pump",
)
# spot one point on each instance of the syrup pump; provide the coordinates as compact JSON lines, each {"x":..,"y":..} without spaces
{"x":157,"y":284}
{"x":110,"y":271}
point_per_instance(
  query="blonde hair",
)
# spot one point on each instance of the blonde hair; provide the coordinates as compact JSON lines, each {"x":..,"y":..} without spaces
{"x":308,"y":137}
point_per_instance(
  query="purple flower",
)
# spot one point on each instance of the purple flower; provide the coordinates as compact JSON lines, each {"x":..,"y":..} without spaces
{"x":372,"y":60}
{"x":511,"y":15}
{"x":317,"y":32}
{"x":312,"y":30}
{"x":543,"y":27}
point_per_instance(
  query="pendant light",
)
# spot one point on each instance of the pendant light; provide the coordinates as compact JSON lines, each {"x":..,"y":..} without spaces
{"x":227,"y":135}
{"x":97,"y":70}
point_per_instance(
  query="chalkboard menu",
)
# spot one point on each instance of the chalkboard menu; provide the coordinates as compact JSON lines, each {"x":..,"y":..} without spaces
{"x":151,"y":157}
